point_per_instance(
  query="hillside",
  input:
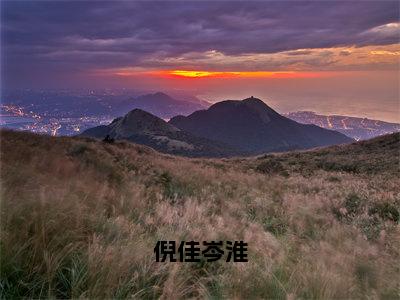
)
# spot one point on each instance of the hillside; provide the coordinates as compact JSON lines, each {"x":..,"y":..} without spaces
{"x":252,"y":126}
{"x":144,"y":128}
{"x":80,"y":218}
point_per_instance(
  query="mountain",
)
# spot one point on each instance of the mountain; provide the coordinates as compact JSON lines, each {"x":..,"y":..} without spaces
{"x":187,"y":97}
{"x":252,"y":126}
{"x":144,"y":128}
{"x":356,"y":128}
{"x":163,"y":105}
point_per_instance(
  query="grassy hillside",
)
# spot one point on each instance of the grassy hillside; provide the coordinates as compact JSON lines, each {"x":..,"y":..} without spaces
{"x":80,"y":218}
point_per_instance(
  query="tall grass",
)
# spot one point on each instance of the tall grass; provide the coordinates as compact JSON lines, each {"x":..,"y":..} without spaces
{"x":80,"y":218}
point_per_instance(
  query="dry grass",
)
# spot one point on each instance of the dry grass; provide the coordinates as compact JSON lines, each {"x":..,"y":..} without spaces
{"x":80,"y":218}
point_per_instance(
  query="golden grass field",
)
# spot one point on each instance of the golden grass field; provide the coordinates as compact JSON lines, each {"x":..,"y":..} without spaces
{"x":80,"y":218}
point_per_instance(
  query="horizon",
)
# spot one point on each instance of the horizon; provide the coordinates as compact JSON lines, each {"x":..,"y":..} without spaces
{"x":284,"y":112}
{"x":329,"y":57}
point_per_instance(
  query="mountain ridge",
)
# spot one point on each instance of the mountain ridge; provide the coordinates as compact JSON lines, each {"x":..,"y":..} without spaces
{"x":163,"y":105}
{"x":141,"y":127}
{"x":251,"y":125}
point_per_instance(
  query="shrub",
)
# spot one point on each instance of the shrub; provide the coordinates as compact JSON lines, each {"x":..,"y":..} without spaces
{"x":365,"y":274}
{"x":271,"y":167}
{"x":78,"y":149}
{"x":354,"y":204}
{"x":275,"y":225}
{"x":386,"y":211}
{"x":370,"y":227}
{"x":251,"y":213}
{"x":337,"y":166}
{"x":333,"y":179}
{"x":71,"y":277}
{"x":172,"y":188}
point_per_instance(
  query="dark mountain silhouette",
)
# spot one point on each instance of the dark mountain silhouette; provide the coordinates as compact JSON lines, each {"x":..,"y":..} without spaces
{"x":144,"y":128}
{"x":163,"y":105}
{"x":252,"y":126}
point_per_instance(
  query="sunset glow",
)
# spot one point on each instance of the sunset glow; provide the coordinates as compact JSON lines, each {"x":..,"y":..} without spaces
{"x":302,"y":59}
{"x":248,"y":74}
{"x":193,"y":74}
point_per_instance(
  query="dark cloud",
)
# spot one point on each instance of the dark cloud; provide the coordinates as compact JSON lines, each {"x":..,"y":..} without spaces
{"x":345,"y":53}
{"x":299,"y":52}
{"x":77,"y":35}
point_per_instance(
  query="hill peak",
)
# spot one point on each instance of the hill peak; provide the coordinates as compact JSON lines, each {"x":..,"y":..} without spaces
{"x":258,"y":106}
{"x":157,"y":95}
{"x":252,"y":126}
{"x":138,"y":120}
{"x":163,"y":105}
{"x":161,"y":94}
{"x":134,"y":114}
{"x":137,"y":112}
{"x":252,"y":105}
{"x":253,"y":99}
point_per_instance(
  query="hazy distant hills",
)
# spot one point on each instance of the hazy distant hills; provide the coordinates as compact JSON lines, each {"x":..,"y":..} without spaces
{"x":163,"y":105}
{"x":144,"y":128}
{"x":357,"y":128}
{"x":252,"y":126}
{"x":67,"y":112}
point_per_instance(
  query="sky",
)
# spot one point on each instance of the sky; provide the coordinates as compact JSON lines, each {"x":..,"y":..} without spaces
{"x":326,"y":56}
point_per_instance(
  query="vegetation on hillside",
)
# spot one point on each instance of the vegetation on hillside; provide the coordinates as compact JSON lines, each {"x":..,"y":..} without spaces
{"x":80,"y":218}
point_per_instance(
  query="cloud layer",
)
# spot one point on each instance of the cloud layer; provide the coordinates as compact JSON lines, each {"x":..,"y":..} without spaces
{"x":44,"y":38}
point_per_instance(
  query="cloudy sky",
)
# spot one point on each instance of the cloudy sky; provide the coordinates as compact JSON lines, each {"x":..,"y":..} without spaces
{"x":336,"y":57}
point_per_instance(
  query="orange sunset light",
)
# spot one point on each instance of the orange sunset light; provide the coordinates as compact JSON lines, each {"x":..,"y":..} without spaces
{"x":199,"y":74}
{"x":193,"y":74}
{"x":236,"y":74}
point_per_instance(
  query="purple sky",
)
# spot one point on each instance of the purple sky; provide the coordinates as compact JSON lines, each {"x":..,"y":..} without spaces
{"x":339,"y":51}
